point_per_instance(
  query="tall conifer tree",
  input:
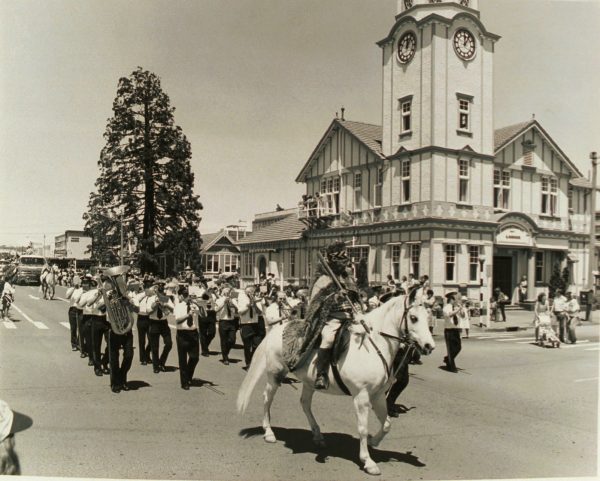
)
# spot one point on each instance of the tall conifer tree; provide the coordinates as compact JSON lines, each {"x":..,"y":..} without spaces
{"x":145,"y":176}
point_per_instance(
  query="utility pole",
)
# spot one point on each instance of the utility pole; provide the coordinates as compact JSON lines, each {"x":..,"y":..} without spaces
{"x":593,"y":263}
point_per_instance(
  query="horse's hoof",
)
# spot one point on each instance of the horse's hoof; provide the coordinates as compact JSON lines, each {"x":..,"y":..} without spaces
{"x":373,"y":469}
{"x":270,"y":438}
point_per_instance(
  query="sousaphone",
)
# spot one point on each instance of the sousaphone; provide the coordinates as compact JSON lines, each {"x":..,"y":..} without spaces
{"x":118,"y":307}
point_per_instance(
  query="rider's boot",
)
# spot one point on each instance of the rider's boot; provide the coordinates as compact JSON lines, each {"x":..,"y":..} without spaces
{"x":323,"y":361}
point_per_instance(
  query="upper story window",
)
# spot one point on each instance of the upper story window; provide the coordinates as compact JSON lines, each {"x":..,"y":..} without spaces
{"x":501,"y":189}
{"x":473,"y":262}
{"x":549,"y":195}
{"x":570,"y":197}
{"x":405,"y":179}
{"x":406,"y":116}
{"x":450,"y":262}
{"x":463,"y":180}
{"x":330,"y":195}
{"x":357,"y":190}
{"x":464,"y":112}
{"x":396,"y":261}
{"x":379,"y":188}
{"x":415,"y":257}
{"x":292,"y":263}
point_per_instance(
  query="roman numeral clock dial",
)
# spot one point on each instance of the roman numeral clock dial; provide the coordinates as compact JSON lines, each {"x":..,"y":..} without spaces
{"x":464,"y":44}
{"x":406,"y":47}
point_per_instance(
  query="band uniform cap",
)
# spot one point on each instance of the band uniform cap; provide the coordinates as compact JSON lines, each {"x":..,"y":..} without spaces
{"x":188,"y":268}
{"x":6,"y":420}
{"x":464,"y":298}
{"x":450,"y":294}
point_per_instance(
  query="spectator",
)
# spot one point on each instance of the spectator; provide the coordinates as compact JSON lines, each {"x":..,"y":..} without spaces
{"x":464,"y":317}
{"x":572,"y":308}
{"x":498,"y":302}
{"x":404,"y":284}
{"x":390,"y":281}
{"x":559,"y":309}
{"x":452,"y":331}
{"x":541,"y":313}
{"x":430,"y":304}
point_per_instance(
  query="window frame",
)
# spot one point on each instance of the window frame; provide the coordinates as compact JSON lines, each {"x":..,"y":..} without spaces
{"x":502,"y":189}
{"x":539,"y":267}
{"x":464,"y":108}
{"x":415,"y":259}
{"x":357,"y":186}
{"x":463,"y":180}
{"x":447,"y":256}
{"x":292,"y":260}
{"x":395,"y":260}
{"x":378,"y":190}
{"x":405,"y":107}
{"x":474,"y":262}
{"x":549,"y":199}
{"x":405,"y":181}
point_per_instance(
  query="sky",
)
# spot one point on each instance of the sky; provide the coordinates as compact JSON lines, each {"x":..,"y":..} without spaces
{"x":255,"y":83}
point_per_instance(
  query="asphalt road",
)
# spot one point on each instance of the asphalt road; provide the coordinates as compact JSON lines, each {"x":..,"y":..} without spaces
{"x":515,"y":411}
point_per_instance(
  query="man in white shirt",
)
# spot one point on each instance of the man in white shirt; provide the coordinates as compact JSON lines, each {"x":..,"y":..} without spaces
{"x":226,"y":309}
{"x":73,"y":294}
{"x":559,"y":308}
{"x":99,"y":328}
{"x":452,"y":331}
{"x":143,"y":321}
{"x":187,"y":338}
{"x":249,"y":309}
{"x":159,"y":307}
{"x":572,"y":311}
{"x":85,"y":320}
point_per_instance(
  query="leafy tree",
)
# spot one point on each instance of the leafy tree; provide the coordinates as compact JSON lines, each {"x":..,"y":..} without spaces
{"x":145,"y":176}
{"x":556,"y":280}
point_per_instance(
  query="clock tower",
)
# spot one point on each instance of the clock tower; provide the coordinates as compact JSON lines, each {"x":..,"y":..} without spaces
{"x":438,"y":84}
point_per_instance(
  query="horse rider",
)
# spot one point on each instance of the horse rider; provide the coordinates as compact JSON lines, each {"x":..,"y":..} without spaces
{"x":338,"y":304}
{"x":45,"y":271}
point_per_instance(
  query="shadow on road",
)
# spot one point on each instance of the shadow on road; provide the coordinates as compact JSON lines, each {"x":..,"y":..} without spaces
{"x":196,"y":382}
{"x":21,"y":422}
{"x":171,"y":368}
{"x":135,"y":385}
{"x":339,"y":445}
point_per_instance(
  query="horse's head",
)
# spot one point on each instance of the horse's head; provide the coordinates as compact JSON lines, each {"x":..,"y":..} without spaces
{"x":415,"y":321}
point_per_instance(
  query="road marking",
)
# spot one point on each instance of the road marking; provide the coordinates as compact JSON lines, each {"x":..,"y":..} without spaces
{"x":66,"y":324}
{"x":586,"y":379}
{"x":9,"y":324}
{"x":511,"y":339}
{"x":593,"y":349}
{"x":38,"y":324}
{"x":34,"y":297}
{"x":526,"y":340}
{"x":496,"y":336}
{"x":584,"y":343}
{"x":66,"y":300}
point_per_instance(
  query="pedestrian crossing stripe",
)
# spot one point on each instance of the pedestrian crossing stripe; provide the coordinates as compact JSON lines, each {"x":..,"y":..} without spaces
{"x":38,"y":324}
{"x":9,"y":324}
{"x":66,"y":324}
{"x":580,"y":344}
{"x":495,"y":336}
{"x":508,"y":339}
{"x":593,"y":349}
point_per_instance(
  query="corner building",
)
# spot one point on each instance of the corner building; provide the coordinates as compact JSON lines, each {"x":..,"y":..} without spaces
{"x":435,"y":189}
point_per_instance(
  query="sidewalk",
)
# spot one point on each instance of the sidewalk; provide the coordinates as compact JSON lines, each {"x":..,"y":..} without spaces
{"x":520,"y":320}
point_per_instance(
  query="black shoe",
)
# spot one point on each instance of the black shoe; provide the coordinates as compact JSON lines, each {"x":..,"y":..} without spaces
{"x":162,"y":368}
{"x":446,"y":360}
{"x":116,"y":389}
{"x":98,"y":372}
{"x":156,"y":370}
{"x":82,"y":355}
{"x":205,"y":354}
{"x":322,"y":365}
{"x":144,"y":363}
{"x":125,"y":387}
{"x":90,"y":363}
{"x":185,"y":386}
{"x":106,"y":370}
{"x":245,"y":368}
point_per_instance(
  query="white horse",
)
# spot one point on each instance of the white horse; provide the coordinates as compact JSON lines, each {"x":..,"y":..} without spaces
{"x":361,"y":369}
{"x":48,"y":282}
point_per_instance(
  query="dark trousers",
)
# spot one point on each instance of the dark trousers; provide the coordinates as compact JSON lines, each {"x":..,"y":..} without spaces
{"x":571,"y":322}
{"x":561,"y":317}
{"x":119,"y":370}
{"x":73,"y":313}
{"x":227,"y":329}
{"x":401,"y":379}
{"x":188,"y":352}
{"x":453,"y":346}
{"x":251,"y":339}
{"x":207,"y":327}
{"x":99,"y":329}
{"x":143,"y":324}
{"x":157,"y":330}
{"x":85,"y":330}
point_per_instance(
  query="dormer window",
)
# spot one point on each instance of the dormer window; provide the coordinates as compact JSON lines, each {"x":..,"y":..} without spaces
{"x":501,"y":189}
{"x":549,"y":195}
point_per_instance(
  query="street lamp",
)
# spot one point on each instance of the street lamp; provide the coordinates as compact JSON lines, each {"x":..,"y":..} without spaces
{"x":481,"y":302}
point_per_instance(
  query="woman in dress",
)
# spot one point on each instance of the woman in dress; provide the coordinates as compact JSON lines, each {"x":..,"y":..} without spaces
{"x":541,"y":314}
{"x":463,"y":316}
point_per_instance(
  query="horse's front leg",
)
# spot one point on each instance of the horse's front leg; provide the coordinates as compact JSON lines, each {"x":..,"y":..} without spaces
{"x":380,"y":408}
{"x":362,"y":405}
{"x":268,"y":395}
{"x":306,"y":402}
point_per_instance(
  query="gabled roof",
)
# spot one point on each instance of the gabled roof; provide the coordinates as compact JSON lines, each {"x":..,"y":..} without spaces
{"x":367,"y":134}
{"x":209,"y":240}
{"x":288,"y":228}
{"x":506,"y":135}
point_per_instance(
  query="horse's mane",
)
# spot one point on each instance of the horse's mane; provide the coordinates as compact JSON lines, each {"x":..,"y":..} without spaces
{"x":377,"y":315}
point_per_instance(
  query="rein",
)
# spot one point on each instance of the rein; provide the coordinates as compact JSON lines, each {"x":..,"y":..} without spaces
{"x":403,"y":340}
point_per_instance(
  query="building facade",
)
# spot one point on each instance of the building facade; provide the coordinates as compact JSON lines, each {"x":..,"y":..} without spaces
{"x":73,"y":244}
{"x":435,"y":189}
{"x":219,"y":253}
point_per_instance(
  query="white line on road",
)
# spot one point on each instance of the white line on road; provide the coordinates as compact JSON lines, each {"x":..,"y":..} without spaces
{"x":526,"y":340}
{"x":9,"y":324}
{"x":66,"y":324}
{"x":38,"y":324}
{"x":586,"y":379}
{"x":593,"y":349}
{"x":66,"y":300}
{"x":508,"y":339}
{"x":496,"y":336}
{"x":583,"y":343}
{"x":34,"y":297}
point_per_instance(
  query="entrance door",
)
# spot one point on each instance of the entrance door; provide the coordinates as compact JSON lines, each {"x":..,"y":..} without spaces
{"x":503,"y":274}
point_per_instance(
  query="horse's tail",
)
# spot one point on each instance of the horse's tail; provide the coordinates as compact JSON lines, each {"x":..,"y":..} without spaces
{"x":257,"y":367}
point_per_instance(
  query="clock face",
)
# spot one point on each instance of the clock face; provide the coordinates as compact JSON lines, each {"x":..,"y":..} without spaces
{"x":464,"y":44}
{"x":407,"y":4}
{"x":406,"y":47}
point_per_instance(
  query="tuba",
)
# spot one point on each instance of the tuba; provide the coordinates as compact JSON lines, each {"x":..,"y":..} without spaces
{"x":118,"y":310}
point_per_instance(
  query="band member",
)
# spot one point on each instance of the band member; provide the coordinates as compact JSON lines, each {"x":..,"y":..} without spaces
{"x":337,"y":305}
{"x":73,"y":294}
{"x":452,"y":330}
{"x":160,"y":306}
{"x":99,"y":328}
{"x":119,"y":370}
{"x":226,"y":310}
{"x":249,"y":308}
{"x":188,"y":344}
{"x":85,"y":324}
{"x":207,"y":319}
{"x":143,"y":321}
